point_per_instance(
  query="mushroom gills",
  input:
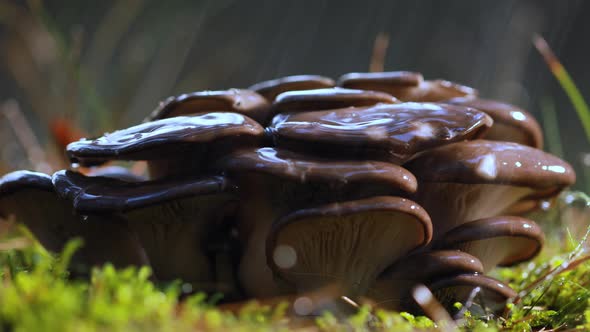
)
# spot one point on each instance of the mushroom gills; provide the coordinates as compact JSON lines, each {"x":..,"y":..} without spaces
{"x":453,"y":204}
{"x":501,"y":250}
{"x":392,"y":290}
{"x":345,"y":249}
{"x":173,"y":234}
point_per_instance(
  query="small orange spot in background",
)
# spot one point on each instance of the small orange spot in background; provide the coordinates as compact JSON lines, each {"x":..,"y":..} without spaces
{"x":64,"y":132}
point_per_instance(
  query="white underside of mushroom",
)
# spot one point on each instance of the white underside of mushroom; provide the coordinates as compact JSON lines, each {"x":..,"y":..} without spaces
{"x":493,"y":251}
{"x":453,"y":204}
{"x":347,"y":251}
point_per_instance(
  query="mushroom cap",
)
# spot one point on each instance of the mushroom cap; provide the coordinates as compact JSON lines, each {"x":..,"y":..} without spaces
{"x":303,"y":168}
{"x":315,"y":247}
{"x":511,"y":123}
{"x":99,"y":195}
{"x":325,"y":99}
{"x":240,"y":101}
{"x":165,"y":138}
{"x":430,"y":265}
{"x":172,"y":218}
{"x":392,"y":289}
{"x":406,"y":86}
{"x":23,"y":180}
{"x":471,"y":180}
{"x":393,"y":133}
{"x":493,"y":162}
{"x":31,"y":198}
{"x":274,"y":182}
{"x":459,"y":288}
{"x":379,"y":80}
{"x":503,"y":240}
{"x":272,"y":88}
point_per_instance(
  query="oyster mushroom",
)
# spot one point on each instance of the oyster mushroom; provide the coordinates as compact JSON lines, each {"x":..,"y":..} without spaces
{"x":274,"y":182}
{"x":393,"y":287}
{"x":472,"y":180}
{"x":244,"y":102}
{"x":492,"y":294}
{"x":324,"y":99}
{"x":171,"y":217}
{"x":30,"y":197}
{"x":272,"y":88}
{"x":496,"y":241}
{"x":511,"y":123}
{"x":394,"y":133}
{"x":176,"y":145}
{"x":346,"y":244}
{"x":406,"y":86}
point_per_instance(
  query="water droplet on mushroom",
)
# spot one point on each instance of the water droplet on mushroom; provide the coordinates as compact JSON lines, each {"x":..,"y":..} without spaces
{"x":75,"y":166}
{"x":187,"y":288}
{"x":303,"y":306}
{"x":84,"y":218}
{"x":285,"y":256}
{"x":545,"y":205}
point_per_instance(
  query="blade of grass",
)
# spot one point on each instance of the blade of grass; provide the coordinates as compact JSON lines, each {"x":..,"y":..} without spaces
{"x":566,"y":83}
{"x":551,"y":127}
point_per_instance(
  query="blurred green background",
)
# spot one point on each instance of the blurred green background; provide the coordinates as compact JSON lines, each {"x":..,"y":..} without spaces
{"x":104,"y":65}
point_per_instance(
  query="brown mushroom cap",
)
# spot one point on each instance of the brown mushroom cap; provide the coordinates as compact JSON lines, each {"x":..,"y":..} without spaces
{"x":503,"y":241}
{"x":30,"y":197}
{"x":325,"y":99}
{"x":471,"y":180}
{"x":493,"y":293}
{"x":406,"y":86}
{"x":511,"y":123}
{"x":163,"y":138}
{"x":244,"y":102}
{"x":272,"y":88}
{"x":392,"y":289}
{"x":348,"y":244}
{"x":170,"y":217}
{"x":274,"y":182}
{"x":393,"y":133}
{"x":303,"y":168}
{"x":178,"y":145}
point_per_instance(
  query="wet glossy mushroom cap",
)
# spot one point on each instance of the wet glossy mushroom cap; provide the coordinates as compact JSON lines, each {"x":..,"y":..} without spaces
{"x":178,"y":145}
{"x":244,"y":102}
{"x":406,"y":86}
{"x":511,"y":124}
{"x":325,"y":99}
{"x":172,"y":218}
{"x":272,"y":88}
{"x":306,"y":169}
{"x":31,"y":198}
{"x":471,"y":180}
{"x":394,"y":133}
{"x":163,"y":138}
{"x":347,"y":244}
{"x":274,"y":182}
{"x":99,"y":195}
{"x":493,"y":293}
{"x":496,"y":241}
{"x":392,"y":289}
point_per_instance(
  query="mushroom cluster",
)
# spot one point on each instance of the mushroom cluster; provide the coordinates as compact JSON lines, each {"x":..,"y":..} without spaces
{"x":366,"y":186}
